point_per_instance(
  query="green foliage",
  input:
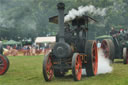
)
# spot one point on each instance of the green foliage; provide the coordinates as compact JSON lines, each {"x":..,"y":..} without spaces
{"x":29,"y":18}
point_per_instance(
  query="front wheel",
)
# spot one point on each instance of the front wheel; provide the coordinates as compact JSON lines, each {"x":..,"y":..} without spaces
{"x":125,"y":55}
{"x":4,"y":64}
{"x":76,"y":67}
{"x":48,"y":67}
{"x":92,"y":58}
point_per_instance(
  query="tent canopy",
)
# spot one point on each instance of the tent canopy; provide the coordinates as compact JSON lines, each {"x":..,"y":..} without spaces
{"x":11,"y":42}
{"x":50,"y":39}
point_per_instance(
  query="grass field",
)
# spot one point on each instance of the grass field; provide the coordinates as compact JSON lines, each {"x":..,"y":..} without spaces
{"x":27,"y":70}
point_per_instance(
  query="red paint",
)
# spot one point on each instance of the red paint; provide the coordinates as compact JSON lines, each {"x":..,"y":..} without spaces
{"x":3,"y":65}
{"x":95,"y":59}
{"x":49,"y":69}
{"x":78,"y":67}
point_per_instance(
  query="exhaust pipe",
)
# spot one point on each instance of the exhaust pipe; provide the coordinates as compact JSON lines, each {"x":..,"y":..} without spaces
{"x":61,"y":49}
{"x":61,"y":7}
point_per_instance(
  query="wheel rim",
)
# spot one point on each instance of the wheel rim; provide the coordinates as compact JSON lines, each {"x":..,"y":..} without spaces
{"x":95,"y":58}
{"x":49,"y":69}
{"x":3,"y":65}
{"x":78,"y":67}
{"x":105,"y":48}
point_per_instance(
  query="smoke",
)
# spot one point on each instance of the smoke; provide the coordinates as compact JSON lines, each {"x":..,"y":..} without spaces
{"x":82,"y":10}
{"x":1,"y":20}
{"x":103,"y":64}
{"x":6,"y":23}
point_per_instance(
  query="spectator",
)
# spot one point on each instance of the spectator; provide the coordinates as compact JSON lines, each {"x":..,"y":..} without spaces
{"x":98,"y":44}
{"x":33,"y":51}
{"x":113,"y":32}
{"x":28,"y":51}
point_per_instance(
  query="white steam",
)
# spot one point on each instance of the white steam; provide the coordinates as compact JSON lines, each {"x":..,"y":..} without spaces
{"x":103,"y":64}
{"x":84,"y":9}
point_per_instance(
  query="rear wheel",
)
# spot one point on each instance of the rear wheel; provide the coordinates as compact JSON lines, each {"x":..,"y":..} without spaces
{"x":108,"y":49}
{"x":76,"y":66}
{"x":125,"y":55}
{"x":48,"y":67}
{"x":4,"y":64}
{"x":92,"y":58}
{"x":112,"y":49}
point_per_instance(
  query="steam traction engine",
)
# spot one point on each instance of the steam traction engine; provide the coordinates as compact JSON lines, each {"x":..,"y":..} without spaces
{"x":117,"y":47}
{"x":4,"y":62}
{"x":72,"y":50}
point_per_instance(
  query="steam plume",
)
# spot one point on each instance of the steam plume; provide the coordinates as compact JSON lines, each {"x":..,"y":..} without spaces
{"x":103,"y":64}
{"x":84,"y":9}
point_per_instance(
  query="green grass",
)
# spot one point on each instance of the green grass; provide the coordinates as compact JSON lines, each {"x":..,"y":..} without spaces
{"x":27,"y":70}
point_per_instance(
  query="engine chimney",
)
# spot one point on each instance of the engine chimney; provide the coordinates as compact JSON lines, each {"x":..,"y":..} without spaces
{"x":61,"y":7}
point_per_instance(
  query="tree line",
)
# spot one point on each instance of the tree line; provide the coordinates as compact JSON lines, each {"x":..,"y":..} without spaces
{"x":20,"y":19}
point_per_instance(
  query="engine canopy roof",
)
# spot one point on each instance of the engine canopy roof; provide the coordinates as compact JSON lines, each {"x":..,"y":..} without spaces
{"x":81,"y":20}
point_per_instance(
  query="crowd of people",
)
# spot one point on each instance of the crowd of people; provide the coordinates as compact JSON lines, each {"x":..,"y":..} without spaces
{"x":9,"y":50}
{"x":115,"y":32}
{"x":29,"y":50}
{"x":26,"y":50}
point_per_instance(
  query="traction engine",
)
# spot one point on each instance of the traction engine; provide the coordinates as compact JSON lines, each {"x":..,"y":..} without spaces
{"x":72,"y":50}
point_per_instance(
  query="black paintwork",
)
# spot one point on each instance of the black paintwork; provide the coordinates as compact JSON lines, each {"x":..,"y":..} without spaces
{"x":71,"y":38}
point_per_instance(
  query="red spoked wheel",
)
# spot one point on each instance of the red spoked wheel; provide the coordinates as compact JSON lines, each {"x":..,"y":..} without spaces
{"x":48,"y":71}
{"x":76,"y":66}
{"x":92,"y":58}
{"x":112,"y":50}
{"x":95,"y":58}
{"x":108,"y":48}
{"x":4,"y":64}
{"x":125,"y":55}
{"x":105,"y":48}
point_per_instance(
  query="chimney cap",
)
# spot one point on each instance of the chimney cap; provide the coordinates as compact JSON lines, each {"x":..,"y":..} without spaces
{"x":61,"y":5}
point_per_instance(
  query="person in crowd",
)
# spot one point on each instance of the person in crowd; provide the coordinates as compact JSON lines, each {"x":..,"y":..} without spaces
{"x":98,"y":44}
{"x":113,"y":32}
{"x":25,"y":50}
{"x":33,"y":51}
{"x":28,"y":50}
